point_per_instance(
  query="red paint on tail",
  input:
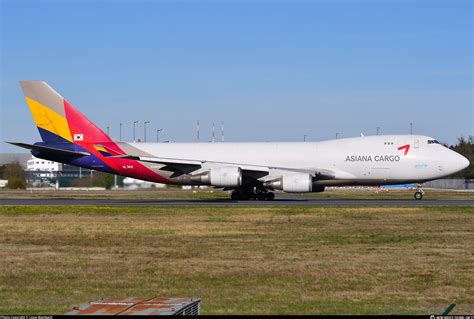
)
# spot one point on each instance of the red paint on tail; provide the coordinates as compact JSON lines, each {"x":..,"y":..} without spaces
{"x":91,"y":134}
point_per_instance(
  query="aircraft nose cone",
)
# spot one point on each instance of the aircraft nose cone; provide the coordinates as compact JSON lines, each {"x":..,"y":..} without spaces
{"x":459,"y":162}
{"x":454,"y":162}
{"x":464,"y":162}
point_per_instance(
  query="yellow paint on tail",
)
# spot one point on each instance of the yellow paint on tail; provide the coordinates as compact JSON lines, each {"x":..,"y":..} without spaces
{"x":100,"y":148}
{"x":49,"y":120}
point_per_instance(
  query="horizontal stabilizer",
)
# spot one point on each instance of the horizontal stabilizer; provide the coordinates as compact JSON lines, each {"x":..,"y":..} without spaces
{"x":51,"y":150}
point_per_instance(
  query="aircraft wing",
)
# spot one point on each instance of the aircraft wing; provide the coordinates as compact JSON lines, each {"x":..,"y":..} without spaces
{"x":162,"y":160}
{"x":256,"y":171}
{"x":191,"y":163}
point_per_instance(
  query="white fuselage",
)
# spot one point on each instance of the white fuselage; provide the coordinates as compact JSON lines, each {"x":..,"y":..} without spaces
{"x":361,"y":160}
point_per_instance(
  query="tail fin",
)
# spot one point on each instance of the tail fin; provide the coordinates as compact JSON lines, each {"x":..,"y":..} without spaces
{"x":56,"y":119}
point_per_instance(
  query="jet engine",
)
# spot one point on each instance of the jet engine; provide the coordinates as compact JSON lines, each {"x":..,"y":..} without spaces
{"x":229,"y":176}
{"x":295,"y":183}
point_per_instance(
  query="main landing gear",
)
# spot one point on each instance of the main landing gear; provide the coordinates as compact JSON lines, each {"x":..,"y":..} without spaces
{"x":419,"y":193}
{"x":248,"y":194}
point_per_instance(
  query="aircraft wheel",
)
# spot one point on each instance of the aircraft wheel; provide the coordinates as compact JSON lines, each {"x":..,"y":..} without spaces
{"x":245,"y":196}
{"x":235,"y":195}
{"x":261,"y":196}
{"x":270,"y":196}
{"x":418,"y":195}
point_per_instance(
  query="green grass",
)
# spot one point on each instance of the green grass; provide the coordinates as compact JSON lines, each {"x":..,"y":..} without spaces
{"x":152,"y":193}
{"x":240,"y":260}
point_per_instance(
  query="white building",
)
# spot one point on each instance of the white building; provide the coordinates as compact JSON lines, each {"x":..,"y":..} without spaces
{"x":132,"y":183}
{"x":47,"y":168}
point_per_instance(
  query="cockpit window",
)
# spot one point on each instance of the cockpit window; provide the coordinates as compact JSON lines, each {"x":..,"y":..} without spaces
{"x":433,"y":142}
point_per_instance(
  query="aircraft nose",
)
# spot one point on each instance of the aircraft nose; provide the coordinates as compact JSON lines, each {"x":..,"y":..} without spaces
{"x":464,"y":162}
{"x":458,"y":162}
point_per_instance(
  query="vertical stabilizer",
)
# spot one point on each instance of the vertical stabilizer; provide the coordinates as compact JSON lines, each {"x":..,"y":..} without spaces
{"x":57,"y":120}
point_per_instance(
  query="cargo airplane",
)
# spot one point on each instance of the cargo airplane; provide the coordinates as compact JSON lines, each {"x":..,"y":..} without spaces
{"x":249,"y":170}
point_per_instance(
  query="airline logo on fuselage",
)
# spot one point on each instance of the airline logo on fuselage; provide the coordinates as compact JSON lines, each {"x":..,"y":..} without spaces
{"x":404,"y":147}
{"x":370,"y":158}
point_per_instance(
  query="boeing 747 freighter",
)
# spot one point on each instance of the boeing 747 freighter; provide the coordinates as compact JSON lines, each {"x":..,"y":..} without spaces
{"x":250,"y":170}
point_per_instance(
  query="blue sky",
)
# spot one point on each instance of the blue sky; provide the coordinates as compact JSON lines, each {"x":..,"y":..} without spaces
{"x":271,"y":70}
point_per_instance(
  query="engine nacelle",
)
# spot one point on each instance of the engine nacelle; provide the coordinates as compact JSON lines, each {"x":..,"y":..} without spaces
{"x":230,"y":176}
{"x":296,"y":183}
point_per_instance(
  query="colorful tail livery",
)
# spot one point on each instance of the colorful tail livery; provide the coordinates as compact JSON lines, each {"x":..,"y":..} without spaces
{"x":56,"y":119}
{"x":70,"y":137}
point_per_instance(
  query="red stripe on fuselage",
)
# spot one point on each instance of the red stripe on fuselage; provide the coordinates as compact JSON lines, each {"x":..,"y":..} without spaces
{"x":79,"y":124}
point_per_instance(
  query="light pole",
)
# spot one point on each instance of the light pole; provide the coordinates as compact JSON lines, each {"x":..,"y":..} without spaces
{"x":378,"y":128}
{"x":411,"y":128}
{"x":158,"y":134}
{"x":337,"y":135}
{"x":144,"y":136}
{"x":120,"y":138}
{"x":222,"y":131}
{"x":213,"y":131}
{"x":134,"y":122}
{"x":198,"y":129}
{"x":108,"y":127}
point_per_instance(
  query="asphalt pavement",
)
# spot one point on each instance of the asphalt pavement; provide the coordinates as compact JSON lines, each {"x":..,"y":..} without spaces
{"x":287,"y":200}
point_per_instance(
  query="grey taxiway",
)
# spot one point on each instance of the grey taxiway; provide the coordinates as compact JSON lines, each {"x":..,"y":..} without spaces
{"x":279,"y":201}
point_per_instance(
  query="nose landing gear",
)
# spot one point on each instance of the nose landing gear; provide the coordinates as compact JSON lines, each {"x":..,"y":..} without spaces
{"x":419,"y":193}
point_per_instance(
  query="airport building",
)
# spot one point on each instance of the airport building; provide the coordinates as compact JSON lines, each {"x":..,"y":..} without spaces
{"x":44,"y":168}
